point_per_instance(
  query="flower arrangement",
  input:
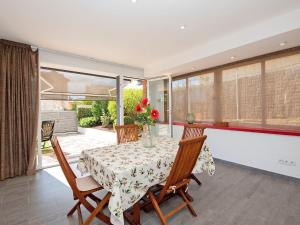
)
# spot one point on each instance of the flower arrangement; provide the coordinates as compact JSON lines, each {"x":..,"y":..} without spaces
{"x":146,"y":115}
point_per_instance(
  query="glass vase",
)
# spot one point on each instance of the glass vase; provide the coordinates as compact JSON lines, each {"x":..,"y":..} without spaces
{"x":148,"y":136}
{"x":190,"y":118}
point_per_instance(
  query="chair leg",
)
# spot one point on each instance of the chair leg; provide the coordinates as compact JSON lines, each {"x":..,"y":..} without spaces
{"x":97,"y":209}
{"x":79,"y":214}
{"x":196,"y":179}
{"x":73,"y":209}
{"x":157,"y":209}
{"x":182,"y":194}
{"x":189,"y":197}
{"x":94,"y":198}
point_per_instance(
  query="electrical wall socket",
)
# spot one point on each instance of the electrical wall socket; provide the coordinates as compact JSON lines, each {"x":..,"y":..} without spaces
{"x":287,"y":162}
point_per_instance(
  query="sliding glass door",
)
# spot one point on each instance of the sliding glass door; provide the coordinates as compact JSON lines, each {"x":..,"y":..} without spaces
{"x":159,"y":96}
{"x":75,"y":107}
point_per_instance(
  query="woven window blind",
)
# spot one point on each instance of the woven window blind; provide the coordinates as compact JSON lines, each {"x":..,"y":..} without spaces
{"x":241,"y":94}
{"x":263,"y":92}
{"x":283,"y":91}
{"x":179,"y":96}
{"x":201,"y":96}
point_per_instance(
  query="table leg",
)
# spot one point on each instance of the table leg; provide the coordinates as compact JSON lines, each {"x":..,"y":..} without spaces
{"x":133,"y":216}
{"x":137,"y":213}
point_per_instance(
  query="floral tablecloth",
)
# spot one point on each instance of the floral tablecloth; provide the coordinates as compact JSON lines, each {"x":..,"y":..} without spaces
{"x":129,"y":170}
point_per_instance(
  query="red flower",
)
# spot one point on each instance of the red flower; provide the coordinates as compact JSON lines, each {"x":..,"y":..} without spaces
{"x":154,"y":114}
{"x":145,"y":101}
{"x":138,"y":108}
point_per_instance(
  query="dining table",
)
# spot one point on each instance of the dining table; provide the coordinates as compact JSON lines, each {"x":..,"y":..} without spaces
{"x":128,"y":170}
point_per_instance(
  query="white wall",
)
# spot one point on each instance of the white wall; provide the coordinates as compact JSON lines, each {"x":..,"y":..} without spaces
{"x":258,"y":150}
{"x":81,"y":64}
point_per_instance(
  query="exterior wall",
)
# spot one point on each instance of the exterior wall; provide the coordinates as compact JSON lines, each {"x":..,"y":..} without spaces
{"x":261,"y":151}
{"x":49,"y":105}
{"x":65,"y":121}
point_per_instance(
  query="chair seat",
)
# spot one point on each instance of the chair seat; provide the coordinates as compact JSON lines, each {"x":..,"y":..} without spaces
{"x":87,"y":183}
{"x":163,"y":183}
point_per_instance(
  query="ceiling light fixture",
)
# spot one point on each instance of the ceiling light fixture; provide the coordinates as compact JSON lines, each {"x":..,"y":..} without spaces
{"x":283,"y":43}
{"x":182,"y":27}
{"x":133,"y":1}
{"x":232,"y":57}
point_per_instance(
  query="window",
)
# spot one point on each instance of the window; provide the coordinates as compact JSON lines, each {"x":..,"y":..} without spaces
{"x":241,"y":94}
{"x":200,"y":96}
{"x":179,"y":106}
{"x":262,"y":92}
{"x":159,"y":98}
{"x":66,"y":85}
{"x":283,"y":91}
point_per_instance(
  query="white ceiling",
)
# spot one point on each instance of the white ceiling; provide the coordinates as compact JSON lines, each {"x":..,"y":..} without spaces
{"x":147,"y":34}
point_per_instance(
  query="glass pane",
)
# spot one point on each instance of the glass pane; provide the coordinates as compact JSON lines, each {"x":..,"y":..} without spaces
{"x":241,"y":94}
{"x":228,"y":96}
{"x":201,"y":96}
{"x":283,"y":91}
{"x":159,"y":99}
{"x":58,"y":85}
{"x":80,"y":108}
{"x":179,"y":106}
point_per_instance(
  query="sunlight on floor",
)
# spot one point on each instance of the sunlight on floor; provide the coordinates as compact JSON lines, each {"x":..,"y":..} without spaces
{"x":58,"y":174}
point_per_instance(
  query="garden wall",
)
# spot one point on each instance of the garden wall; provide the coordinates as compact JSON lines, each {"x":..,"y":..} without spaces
{"x":65,"y":121}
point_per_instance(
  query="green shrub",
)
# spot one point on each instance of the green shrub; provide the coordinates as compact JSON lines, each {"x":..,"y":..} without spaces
{"x":131,"y":97}
{"x":112,"y":110}
{"x":128,"y":120}
{"x":83,"y":112}
{"x":105,"y":120}
{"x":89,"y":122}
{"x":99,"y":108}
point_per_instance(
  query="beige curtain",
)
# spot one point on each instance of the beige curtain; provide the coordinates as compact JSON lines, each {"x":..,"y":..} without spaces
{"x":19,"y":98}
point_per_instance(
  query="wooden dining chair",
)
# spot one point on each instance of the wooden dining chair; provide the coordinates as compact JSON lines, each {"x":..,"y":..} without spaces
{"x":127,"y":133}
{"x":190,"y":131}
{"x":179,"y":177}
{"x":82,"y":188}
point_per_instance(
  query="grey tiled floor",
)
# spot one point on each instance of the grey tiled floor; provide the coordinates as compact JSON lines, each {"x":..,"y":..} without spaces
{"x":233,"y":196}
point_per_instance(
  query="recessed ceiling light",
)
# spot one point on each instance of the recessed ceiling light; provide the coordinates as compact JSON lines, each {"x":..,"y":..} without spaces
{"x":182,"y":27}
{"x":283,"y":43}
{"x":232,"y":57}
{"x":133,"y":1}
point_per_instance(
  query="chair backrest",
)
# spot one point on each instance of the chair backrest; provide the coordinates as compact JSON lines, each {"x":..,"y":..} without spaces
{"x":127,"y":133}
{"x":185,"y":161}
{"x":68,"y":172}
{"x":47,"y":130}
{"x":192,"y":130}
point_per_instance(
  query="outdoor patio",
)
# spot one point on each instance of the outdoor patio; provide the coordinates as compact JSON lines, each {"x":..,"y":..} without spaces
{"x":74,"y":143}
